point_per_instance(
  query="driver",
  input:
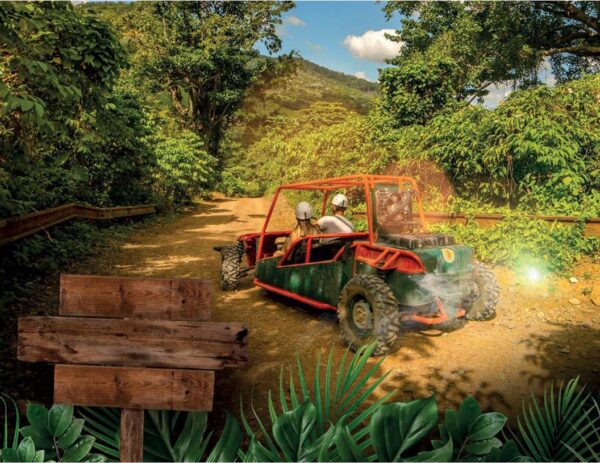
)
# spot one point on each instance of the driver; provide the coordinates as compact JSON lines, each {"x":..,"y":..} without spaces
{"x":336,"y":223}
{"x":304,"y":226}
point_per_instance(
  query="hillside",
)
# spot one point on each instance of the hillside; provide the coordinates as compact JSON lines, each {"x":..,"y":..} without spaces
{"x":312,"y":83}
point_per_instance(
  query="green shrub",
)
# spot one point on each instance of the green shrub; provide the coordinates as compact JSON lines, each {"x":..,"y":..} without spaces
{"x":52,"y":435}
{"x":184,"y":168}
{"x":520,"y":242}
{"x":537,"y":151}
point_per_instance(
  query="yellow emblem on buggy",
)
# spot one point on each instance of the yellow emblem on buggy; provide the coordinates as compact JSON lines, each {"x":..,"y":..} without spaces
{"x":448,"y":255}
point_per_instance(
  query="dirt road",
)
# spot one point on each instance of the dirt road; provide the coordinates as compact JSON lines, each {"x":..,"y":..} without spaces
{"x":537,"y":335}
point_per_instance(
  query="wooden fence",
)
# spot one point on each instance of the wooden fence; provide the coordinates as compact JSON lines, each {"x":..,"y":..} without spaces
{"x":16,"y":228}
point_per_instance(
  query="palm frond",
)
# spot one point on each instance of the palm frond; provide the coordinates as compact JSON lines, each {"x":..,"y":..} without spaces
{"x":337,"y":394}
{"x":168,"y":436}
{"x":561,"y":428}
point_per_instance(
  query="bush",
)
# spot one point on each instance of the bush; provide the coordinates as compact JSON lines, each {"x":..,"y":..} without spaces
{"x":537,"y":151}
{"x":520,"y":242}
{"x":184,"y":168}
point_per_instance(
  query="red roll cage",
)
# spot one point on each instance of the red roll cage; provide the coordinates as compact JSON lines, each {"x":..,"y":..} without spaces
{"x":367,"y":182}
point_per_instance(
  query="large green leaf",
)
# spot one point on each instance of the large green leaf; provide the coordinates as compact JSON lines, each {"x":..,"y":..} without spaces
{"x":486,"y":426}
{"x":292,"y":430}
{"x":9,"y":454}
{"x":37,"y":415}
{"x":79,"y":450}
{"x":42,"y":441}
{"x":397,"y":427}
{"x":228,"y":445}
{"x":71,"y":434}
{"x":59,"y":419}
{"x":469,"y":411}
{"x":26,"y":450}
{"x":443,"y":453}
{"x":483,"y":447}
{"x":348,"y":449}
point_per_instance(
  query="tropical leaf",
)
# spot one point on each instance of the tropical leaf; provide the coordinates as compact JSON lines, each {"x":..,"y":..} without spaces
{"x":168,"y":436}
{"x":564,"y":427}
{"x":397,"y":427}
{"x":228,"y":445}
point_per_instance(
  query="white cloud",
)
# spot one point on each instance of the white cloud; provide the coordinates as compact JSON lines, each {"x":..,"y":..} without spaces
{"x":293,"y":21}
{"x":373,"y":45}
{"x":360,"y":75}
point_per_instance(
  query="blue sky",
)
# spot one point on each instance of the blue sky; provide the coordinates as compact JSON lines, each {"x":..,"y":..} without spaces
{"x":348,"y":36}
{"x":332,"y":34}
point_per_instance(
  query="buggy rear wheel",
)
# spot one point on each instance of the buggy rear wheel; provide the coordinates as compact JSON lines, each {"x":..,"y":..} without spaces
{"x":486,"y":296}
{"x":368,"y":312}
{"x":231,"y":257}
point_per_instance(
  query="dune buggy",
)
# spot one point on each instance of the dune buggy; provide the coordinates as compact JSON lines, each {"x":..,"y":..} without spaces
{"x":392,"y":275}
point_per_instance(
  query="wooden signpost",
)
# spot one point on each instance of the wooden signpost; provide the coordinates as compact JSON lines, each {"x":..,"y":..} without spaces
{"x":133,"y":343}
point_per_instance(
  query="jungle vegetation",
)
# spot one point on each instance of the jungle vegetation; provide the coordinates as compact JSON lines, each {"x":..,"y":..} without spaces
{"x":337,"y":418}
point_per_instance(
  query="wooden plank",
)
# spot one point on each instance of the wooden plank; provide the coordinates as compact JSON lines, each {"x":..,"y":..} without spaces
{"x":138,"y":388}
{"x":150,"y":343}
{"x":149,"y":298}
{"x":132,"y":435}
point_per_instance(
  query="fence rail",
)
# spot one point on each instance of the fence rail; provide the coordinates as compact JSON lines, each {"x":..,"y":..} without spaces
{"x":487,"y":220}
{"x":15,"y":228}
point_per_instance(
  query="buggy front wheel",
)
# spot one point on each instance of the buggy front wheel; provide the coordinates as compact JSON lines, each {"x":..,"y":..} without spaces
{"x":482,"y":305}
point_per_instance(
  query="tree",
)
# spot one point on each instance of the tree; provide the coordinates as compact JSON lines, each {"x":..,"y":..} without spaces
{"x":414,"y":91}
{"x":56,"y":63}
{"x":203,"y":55}
{"x":491,"y":42}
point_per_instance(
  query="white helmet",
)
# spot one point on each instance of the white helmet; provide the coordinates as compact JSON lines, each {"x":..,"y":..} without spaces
{"x":340,"y":200}
{"x":304,"y":211}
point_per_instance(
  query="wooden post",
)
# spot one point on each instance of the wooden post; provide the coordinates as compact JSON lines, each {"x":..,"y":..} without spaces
{"x":132,"y":435}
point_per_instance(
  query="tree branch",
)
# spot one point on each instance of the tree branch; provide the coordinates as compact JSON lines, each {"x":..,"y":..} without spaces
{"x":579,"y":50}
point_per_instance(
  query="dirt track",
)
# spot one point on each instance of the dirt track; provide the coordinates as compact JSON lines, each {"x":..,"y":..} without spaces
{"x":537,"y":335}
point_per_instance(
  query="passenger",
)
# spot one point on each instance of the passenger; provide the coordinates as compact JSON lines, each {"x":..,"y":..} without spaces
{"x":304,"y":226}
{"x":336,"y":223}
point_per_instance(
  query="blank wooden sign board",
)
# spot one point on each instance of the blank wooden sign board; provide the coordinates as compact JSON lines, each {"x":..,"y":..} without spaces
{"x":133,"y":343}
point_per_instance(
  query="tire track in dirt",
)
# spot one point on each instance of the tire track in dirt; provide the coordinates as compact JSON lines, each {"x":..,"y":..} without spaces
{"x":537,"y":335}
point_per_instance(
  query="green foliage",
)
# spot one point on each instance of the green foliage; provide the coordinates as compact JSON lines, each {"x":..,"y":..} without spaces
{"x":492,"y":42}
{"x":537,"y":151}
{"x":56,"y":64}
{"x":52,"y":435}
{"x":520,"y":242}
{"x":184,"y":168}
{"x":324,"y":140}
{"x":415,"y":90}
{"x":203,"y":56}
{"x":563,"y":427}
{"x":168,"y":436}
{"x":339,"y":396}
